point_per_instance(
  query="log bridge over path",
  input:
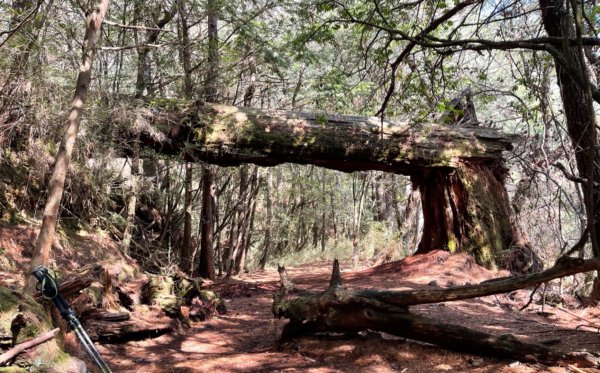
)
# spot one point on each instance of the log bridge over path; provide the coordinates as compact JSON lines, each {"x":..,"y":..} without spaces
{"x":459,"y":170}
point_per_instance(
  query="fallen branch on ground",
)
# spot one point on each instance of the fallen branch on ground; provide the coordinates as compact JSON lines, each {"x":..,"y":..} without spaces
{"x":10,"y":354}
{"x":338,"y":309}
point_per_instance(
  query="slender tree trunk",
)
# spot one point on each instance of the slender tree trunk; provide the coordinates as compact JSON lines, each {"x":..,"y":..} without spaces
{"x":132,"y":194}
{"x":212,"y":77}
{"x":207,"y":263}
{"x":45,"y":238}
{"x":359,"y":201}
{"x":408,"y":222}
{"x":207,"y":266}
{"x":187,"y":250}
{"x":143,"y":86}
{"x":249,"y":224}
{"x":185,"y":53}
{"x":267,"y":243}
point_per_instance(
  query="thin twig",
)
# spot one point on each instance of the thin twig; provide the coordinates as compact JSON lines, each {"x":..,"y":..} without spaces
{"x":134,"y":27}
{"x":530,"y":297}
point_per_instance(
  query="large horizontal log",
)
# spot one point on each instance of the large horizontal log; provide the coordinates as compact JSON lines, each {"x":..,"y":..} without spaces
{"x":338,"y":309}
{"x":230,"y":135}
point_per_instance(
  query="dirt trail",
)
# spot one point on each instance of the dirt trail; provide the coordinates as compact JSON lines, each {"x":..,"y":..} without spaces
{"x":245,"y":339}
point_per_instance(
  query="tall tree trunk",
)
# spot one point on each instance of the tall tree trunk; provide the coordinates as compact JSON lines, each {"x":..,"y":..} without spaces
{"x":267,"y":242}
{"x":206,"y":267}
{"x":187,"y":250}
{"x":408,"y":221}
{"x":211,"y":92}
{"x":143,"y":86}
{"x":131,"y":199}
{"x":358,"y":195}
{"x":45,"y":238}
{"x":579,"y":111}
{"x":185,"y":52}
{"x":240,"y":262}
{"x":383,"y":199}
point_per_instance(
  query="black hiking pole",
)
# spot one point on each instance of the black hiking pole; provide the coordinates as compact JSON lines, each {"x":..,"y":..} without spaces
{"x":48,"y":287}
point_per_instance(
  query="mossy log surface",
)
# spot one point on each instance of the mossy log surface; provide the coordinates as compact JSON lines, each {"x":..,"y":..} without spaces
{"x":338,"y":309}
{"x":230,"y":135}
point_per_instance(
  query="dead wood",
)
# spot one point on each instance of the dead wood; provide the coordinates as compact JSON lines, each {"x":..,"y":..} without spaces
{"x":564,"y":267}
{"x":338,"y":309}
{"x":10,"y":354}
{"x":144,"y":321}
{"x":230,"y":135}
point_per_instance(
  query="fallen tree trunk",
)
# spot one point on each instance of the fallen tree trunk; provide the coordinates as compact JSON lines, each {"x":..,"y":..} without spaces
{"x":338,"y":309}
{"x":231,"y":135}
{"x":564,"y":267}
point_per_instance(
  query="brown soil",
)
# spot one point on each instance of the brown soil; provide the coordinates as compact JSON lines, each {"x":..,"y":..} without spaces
{"x":246,"y":338}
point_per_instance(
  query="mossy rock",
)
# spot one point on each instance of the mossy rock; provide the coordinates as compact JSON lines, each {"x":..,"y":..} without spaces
{"x":22,"y":319}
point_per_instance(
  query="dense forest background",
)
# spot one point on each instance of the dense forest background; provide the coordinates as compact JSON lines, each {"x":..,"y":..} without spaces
{"x":397,"y":60}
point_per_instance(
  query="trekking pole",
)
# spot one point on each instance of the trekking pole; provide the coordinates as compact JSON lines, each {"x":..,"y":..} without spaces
{"x":48,"y":287}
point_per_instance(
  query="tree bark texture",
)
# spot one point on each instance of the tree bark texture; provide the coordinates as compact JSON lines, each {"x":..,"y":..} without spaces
{"x":45,"y":238}
{"x":579,"y":115}
{"x":187,"y":250}
{"x":338,"y":309}
{"x":267,"y":241}
{"x":579,"y":112}
{"x":466,"y":209}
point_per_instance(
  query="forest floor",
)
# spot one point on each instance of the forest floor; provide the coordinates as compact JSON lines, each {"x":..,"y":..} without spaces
{"x":246,"y":338}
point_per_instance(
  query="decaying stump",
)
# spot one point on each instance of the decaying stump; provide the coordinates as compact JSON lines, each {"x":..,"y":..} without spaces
{"x":338,"y":309}
{"x":203,"y":303}
{"x":466,"y":209}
